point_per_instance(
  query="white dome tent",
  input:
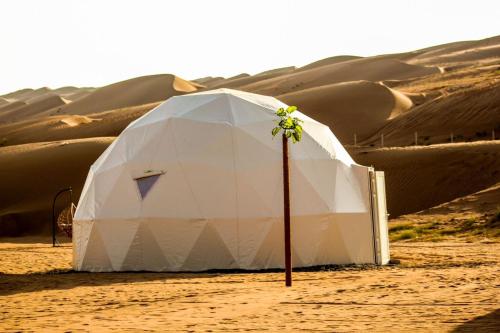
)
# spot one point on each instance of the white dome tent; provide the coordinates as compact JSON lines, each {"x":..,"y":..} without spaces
{"x":197,"y":184}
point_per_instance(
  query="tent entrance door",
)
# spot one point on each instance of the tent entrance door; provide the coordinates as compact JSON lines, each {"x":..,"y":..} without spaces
{"x":379,"y":217}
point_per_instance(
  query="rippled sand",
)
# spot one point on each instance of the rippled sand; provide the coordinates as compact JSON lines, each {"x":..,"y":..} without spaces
{"x":436,"y":287}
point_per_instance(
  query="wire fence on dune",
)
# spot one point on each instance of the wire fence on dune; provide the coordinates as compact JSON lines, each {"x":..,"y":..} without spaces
{"x":419,"y":139}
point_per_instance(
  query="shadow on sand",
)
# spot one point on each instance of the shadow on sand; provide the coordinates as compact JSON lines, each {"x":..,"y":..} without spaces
{"x":60,"y":280}
{"x":487,"y":323}
{"x":67,"y":279}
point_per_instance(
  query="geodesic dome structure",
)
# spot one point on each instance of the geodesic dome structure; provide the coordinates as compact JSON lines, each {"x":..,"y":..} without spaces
{"x":197,"y":184}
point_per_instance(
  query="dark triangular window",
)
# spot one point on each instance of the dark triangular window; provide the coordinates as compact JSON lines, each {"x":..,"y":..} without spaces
{"x":145,"y":184}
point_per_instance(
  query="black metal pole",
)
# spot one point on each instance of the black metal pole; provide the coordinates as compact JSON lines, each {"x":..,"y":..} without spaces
{"x":54,"y":211}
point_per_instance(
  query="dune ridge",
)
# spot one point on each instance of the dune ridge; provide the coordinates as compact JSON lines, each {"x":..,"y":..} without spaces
{"x":328,"y":61}
{"x":342,"y":105}
{"x":459,"y":52}
{"x":208,"y":81}
{"x":33,"y":107}
{"x":281,"y":70}
{"x":240,"y":82}
{"x":25,"y":94}
{"x":352,"y":70}
{"x":133,"y":92}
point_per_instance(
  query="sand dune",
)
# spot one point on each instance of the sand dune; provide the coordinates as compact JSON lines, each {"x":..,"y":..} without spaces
{"x":459,"y":78}
{"x":25,"y":94}
{"x":281,"y":70}
{"x":66,"y":90}
{"x":65,"y":127}
{"x":459,"y":52}
{"x":3,"y":101}
{"x":342,"y":105}
{"x":328,"y":61}
{"x":31,"y":174}
{"x":11,"y":107}
{"x":484,"y":201}
{"x":471,"y":218}
{"x":421,"y":177}
{"x":239,"y":76}
{"x":353,"y":70}
{"x":183,"y":86}
{"x":470,"y":115}
{"x":239,"y":82}
{"x":242,"y":79}
{"x":72,"y":93}
{"x":418,"y":98}
{"x":131,"y":92}
{"x":444,"y":48}
{"x":469,"y":55}
{"x":225,"y":82}
{"x":74,"y":121}
{"x":34,"y":107}
{"x":31,"y":95}
{"x":43,"y":97}
{"x":78,"y":94}
{"x":431,"y":55}
{"x":208,"y":80}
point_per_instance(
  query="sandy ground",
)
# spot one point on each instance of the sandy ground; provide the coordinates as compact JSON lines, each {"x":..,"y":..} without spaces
{"x":436,"y":287}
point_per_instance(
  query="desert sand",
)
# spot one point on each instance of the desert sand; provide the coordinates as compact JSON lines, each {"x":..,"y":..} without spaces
{"x":435,"y":287}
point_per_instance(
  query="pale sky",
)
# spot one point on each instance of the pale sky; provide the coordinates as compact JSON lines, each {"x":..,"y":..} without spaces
{"x":97,"y":42}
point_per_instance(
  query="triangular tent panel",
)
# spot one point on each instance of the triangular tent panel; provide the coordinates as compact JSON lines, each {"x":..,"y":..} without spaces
{"x":95,"y":252}
{"x":199,"y":259}
{"x":270,"y":252}
{"x":153,"y":258}
{"x":117,"y":236}
{"x":176,"y":238}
